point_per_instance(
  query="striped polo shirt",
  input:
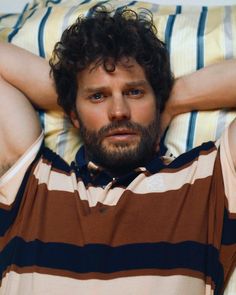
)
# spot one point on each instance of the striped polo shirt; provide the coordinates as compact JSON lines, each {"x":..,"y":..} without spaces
{"x":167,"y":229}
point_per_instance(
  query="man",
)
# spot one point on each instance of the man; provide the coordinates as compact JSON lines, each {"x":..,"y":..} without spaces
{"x":118,"y":220}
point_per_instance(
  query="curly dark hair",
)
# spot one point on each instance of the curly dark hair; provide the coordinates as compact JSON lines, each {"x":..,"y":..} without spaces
{"x":103,"y":36}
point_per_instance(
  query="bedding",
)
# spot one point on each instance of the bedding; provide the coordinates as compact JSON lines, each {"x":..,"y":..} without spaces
{"x":195,"y":36}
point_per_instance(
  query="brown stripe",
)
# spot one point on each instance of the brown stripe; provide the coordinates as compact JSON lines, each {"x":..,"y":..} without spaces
{"x":6,"y":207}
{"x":54,"y":216}
{"x":107,"y":276}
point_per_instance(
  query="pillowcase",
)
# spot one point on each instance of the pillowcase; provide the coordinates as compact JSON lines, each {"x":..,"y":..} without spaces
{"x":195,"y":37}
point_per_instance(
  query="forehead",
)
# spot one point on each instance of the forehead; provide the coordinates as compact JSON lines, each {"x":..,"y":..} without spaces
{"x":125,"y":71}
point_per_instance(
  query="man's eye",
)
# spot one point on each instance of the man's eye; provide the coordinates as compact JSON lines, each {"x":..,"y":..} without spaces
{"x":96,"y":96}
{"x":134,"y":92}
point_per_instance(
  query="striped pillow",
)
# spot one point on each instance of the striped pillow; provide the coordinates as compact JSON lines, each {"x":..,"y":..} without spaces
{"x":194,"y":36}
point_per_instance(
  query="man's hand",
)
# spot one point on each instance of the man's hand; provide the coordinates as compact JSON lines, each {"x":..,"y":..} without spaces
{"x":166,"y":118}
{"x":173,"y":104}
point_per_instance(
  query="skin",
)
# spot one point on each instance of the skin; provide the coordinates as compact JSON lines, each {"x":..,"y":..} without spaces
{"x":105,"y":97}
{"x":25,"y":79}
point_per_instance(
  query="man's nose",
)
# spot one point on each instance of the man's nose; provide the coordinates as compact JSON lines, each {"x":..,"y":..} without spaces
{"x":119,"y":109}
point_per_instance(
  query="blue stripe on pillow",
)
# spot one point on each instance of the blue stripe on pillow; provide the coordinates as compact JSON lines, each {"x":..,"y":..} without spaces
{"x":6,"y":15}
{"x":191,"y":130}
{"x":85,"y":2}
{"x":41,"y":115}
{"x":53,"y":2}
{"x":17,"y":25}
{"x":178,"y":9}
{"x":124,"y":6}
{"x":41,"y":32}
{"x":200,"y":38}
{"x":200,"y":64}
{"x":168,"y":31}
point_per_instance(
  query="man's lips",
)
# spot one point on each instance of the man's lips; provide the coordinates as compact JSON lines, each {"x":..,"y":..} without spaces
{"x":121,"y":134}
{"x":118,"y":132}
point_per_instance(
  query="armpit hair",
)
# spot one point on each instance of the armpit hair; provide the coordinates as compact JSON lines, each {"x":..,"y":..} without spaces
{"x":4,"y":168}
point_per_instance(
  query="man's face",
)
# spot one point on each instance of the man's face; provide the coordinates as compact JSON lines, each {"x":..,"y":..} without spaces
{"x":117,"y":116}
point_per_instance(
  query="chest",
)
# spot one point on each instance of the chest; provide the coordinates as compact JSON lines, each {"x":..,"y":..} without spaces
{"x":150,"y":209}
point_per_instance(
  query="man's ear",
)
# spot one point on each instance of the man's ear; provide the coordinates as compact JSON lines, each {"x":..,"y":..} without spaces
{"x":74,"y":119}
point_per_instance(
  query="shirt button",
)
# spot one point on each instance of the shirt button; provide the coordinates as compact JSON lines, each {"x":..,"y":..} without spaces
{"x":102,"y":209}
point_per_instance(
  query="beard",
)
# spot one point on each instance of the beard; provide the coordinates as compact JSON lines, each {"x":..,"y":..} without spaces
{"x":121,"y":157}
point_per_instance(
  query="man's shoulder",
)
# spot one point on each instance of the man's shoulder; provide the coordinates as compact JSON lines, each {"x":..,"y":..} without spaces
{"x":187,"y":158}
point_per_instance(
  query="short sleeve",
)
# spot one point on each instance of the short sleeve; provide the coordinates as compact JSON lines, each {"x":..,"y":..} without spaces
{"x":228,"y":170}
{"x":11,"y":180}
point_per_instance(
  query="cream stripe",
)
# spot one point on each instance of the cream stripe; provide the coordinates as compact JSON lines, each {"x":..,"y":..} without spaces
{"x":206,"y":119}
{"x":183,"y":53}
{"x":233,"y":19}
{"x":41,"y":284}
{"x":53,"y":29}
{"x":221,"y":123}
{"x":157,"y":183}
{"x":67,"y":17}
{"x":176,"y":136}
{"x":162,"y":182}
{"x":214,"y":43}
{"x":231,"y":287}
{"x":229,"y":173}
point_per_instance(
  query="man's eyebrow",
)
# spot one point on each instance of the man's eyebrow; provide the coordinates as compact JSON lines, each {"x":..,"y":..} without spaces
{"x":137,"y":83}
{"x":94,"y":89}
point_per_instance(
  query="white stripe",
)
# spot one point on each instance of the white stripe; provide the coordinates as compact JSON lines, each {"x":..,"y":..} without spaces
{"x":228,"y":34}
{"x":40,"y":284}
{"x":156,"y":183}
{"x":229,"y":173}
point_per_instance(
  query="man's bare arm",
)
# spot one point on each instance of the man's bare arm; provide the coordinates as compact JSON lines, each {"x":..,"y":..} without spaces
{"x":28,"y":73}
{"x":213,"y":87}
{"x":19,"y":125}
{"x":24,"y":80}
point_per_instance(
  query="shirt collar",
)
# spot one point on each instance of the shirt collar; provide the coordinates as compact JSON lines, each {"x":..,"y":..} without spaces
{"x":83,"y":163}
{"x":97,"y":175}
